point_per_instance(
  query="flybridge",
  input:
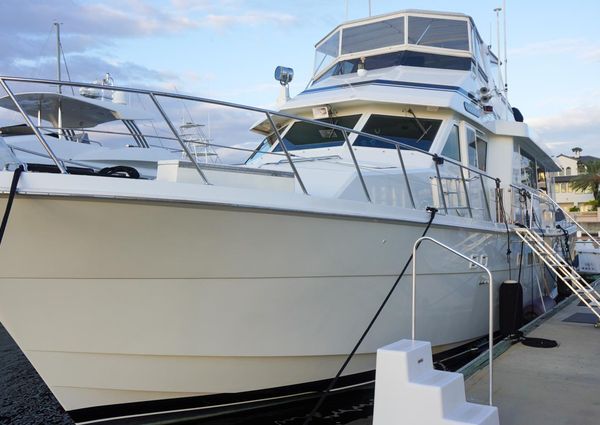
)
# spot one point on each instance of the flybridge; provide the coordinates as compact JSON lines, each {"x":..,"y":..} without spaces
{"x":409,"y":38}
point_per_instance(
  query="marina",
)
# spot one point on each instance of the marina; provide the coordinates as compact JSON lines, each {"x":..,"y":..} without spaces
{"x":382,"y":236}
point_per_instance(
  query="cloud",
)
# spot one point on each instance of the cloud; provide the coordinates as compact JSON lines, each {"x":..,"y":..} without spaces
{"x":582,"y":48}
{"x":578,"y":126}
{"x":253,"y":18}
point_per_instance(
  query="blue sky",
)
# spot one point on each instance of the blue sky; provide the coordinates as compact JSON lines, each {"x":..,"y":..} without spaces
{"x":227,"y":49}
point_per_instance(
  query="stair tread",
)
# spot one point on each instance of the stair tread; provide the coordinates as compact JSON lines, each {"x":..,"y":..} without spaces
{"x":471,"y":413}
{"x":437,"y":378}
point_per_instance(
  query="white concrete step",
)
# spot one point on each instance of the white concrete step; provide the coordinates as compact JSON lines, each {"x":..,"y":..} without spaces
{"x":408,"y":390}
{"x":472,"y":413}
{"x":447,"y":389}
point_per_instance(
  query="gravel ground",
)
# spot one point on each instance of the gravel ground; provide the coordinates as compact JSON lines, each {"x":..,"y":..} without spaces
{"x":24,"y":398}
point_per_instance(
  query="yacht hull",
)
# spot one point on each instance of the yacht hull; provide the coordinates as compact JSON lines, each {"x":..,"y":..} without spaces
{"x":119,"y":302}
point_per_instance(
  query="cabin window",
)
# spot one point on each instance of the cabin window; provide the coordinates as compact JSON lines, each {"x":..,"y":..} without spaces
{"x":445,"y":33}
{"x":373,"y":36}
{"x":541,"y":177}
{"x":263,"y":148}
{"x":404,"y":58}
{"x":417,"y":133}
{"x":477,"y":149}
{"x":327,"y":52}
{"x":452,"y":147}
{"x":528,"y":173}
{"x":303,"y":135}
{"x":481,"y":154}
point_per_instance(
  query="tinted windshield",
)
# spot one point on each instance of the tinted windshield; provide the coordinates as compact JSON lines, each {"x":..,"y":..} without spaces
{"x":327,"y":52}
{"x":446,"y":33}
{"x":400,"y":129}
{"x":373,"y":36}
{"x":405,"y":58}
{"x":304,"y":135}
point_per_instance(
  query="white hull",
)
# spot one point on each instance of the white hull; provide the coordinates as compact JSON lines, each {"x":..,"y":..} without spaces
{"x":116,"y":301}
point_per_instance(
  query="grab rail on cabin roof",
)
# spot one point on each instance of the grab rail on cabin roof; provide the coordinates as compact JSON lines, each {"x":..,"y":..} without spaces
{"x":155,"y":95}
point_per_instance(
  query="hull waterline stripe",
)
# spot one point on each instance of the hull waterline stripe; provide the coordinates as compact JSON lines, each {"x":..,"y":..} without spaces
{"x":98,"y":413}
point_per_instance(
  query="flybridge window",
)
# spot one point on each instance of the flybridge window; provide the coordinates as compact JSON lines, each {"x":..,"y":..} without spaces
{"x":405,"y":58}
{"x":303,"y":135}
{"x":373,"y":36}
{"x":327,"y":52}
{"x":434,"y":32}
{"x":415,"y":132}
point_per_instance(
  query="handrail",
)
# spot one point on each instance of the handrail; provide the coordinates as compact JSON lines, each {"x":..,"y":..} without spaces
{"x":491,"y":299}
{"x":181,"y":142}
{"x":155,"y":95}
{"x":35,"y":130}
{"x":557,"y":205}
{"x":243,"y":107}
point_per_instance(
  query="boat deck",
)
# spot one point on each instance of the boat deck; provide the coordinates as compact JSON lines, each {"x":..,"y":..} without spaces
{"x":560,"y":385}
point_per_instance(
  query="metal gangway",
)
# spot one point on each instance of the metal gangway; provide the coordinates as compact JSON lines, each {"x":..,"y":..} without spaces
{"x":563,"y":270}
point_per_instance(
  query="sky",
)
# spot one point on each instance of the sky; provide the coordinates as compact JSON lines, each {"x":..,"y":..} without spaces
{"x":228,"y":49}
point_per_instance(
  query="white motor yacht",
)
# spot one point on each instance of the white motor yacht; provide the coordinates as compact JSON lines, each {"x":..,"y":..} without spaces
{"x":206,"y":288}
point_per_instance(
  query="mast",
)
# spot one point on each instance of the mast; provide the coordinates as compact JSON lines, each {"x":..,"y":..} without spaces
{"x":505,"y":54}
{"x":58,"y":50}
{"x":497,"y":10}
{"x":58,"y":67}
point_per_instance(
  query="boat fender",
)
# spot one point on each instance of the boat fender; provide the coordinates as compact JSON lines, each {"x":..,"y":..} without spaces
{"x":511,"y":307}
{"x":120,"y":171}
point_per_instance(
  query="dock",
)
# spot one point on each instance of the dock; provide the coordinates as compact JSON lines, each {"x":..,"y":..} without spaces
{"x":557,"y":386}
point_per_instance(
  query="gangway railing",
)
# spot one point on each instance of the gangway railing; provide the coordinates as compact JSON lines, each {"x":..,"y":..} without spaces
{"x":441,"y":165}
{"x":490,"y":299}
{"x":571,"y":218}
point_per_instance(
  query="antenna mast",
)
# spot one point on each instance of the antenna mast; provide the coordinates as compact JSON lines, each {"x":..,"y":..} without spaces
{"x":505,"y":50}
{"x":58,"y":68}
{"x":369,"y":8}
{"x":498,"y":10}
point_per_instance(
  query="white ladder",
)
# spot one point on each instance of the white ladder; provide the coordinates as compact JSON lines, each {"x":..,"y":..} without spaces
{"x":577,"y":284}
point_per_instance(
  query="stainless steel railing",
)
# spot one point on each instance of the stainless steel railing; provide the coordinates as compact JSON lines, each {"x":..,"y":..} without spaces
{"x":465,"y":174}
{"x":490,"y":300}
{"x":571,"y":218}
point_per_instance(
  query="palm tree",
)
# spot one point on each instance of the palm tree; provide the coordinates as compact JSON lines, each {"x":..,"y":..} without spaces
{"x":589,"y":180}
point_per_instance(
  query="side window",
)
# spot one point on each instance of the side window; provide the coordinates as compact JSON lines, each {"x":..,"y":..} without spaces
{"x":472,"y":147}
{"x":452,"y":146}
{"x":477,"y":150}
{"x":481,"y":153}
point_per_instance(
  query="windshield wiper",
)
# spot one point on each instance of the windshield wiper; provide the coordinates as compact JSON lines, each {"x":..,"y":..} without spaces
{"x":423,"y":129}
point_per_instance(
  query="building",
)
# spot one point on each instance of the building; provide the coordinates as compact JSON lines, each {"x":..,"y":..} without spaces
{"x":572,"y":166}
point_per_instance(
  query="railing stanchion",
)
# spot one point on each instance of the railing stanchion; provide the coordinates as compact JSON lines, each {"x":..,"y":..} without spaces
{"x":181,"y":142}
{"x":287,"y":153}
{"x":35,"y":130}
{"x":485,"y":198}
{"x":437,"y":160}
{"x":360,"y":176}
{"x":490,"y":301}
{"x":464,"y":182}
{"x":410,"y":194}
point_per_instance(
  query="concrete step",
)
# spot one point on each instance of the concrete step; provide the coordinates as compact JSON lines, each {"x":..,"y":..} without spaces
{"x":408,"y":390}
{"x":474,"y":414}
{"x":445,"y":390}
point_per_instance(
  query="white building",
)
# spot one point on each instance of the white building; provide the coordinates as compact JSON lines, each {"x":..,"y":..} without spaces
{"x":572,"y":166}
